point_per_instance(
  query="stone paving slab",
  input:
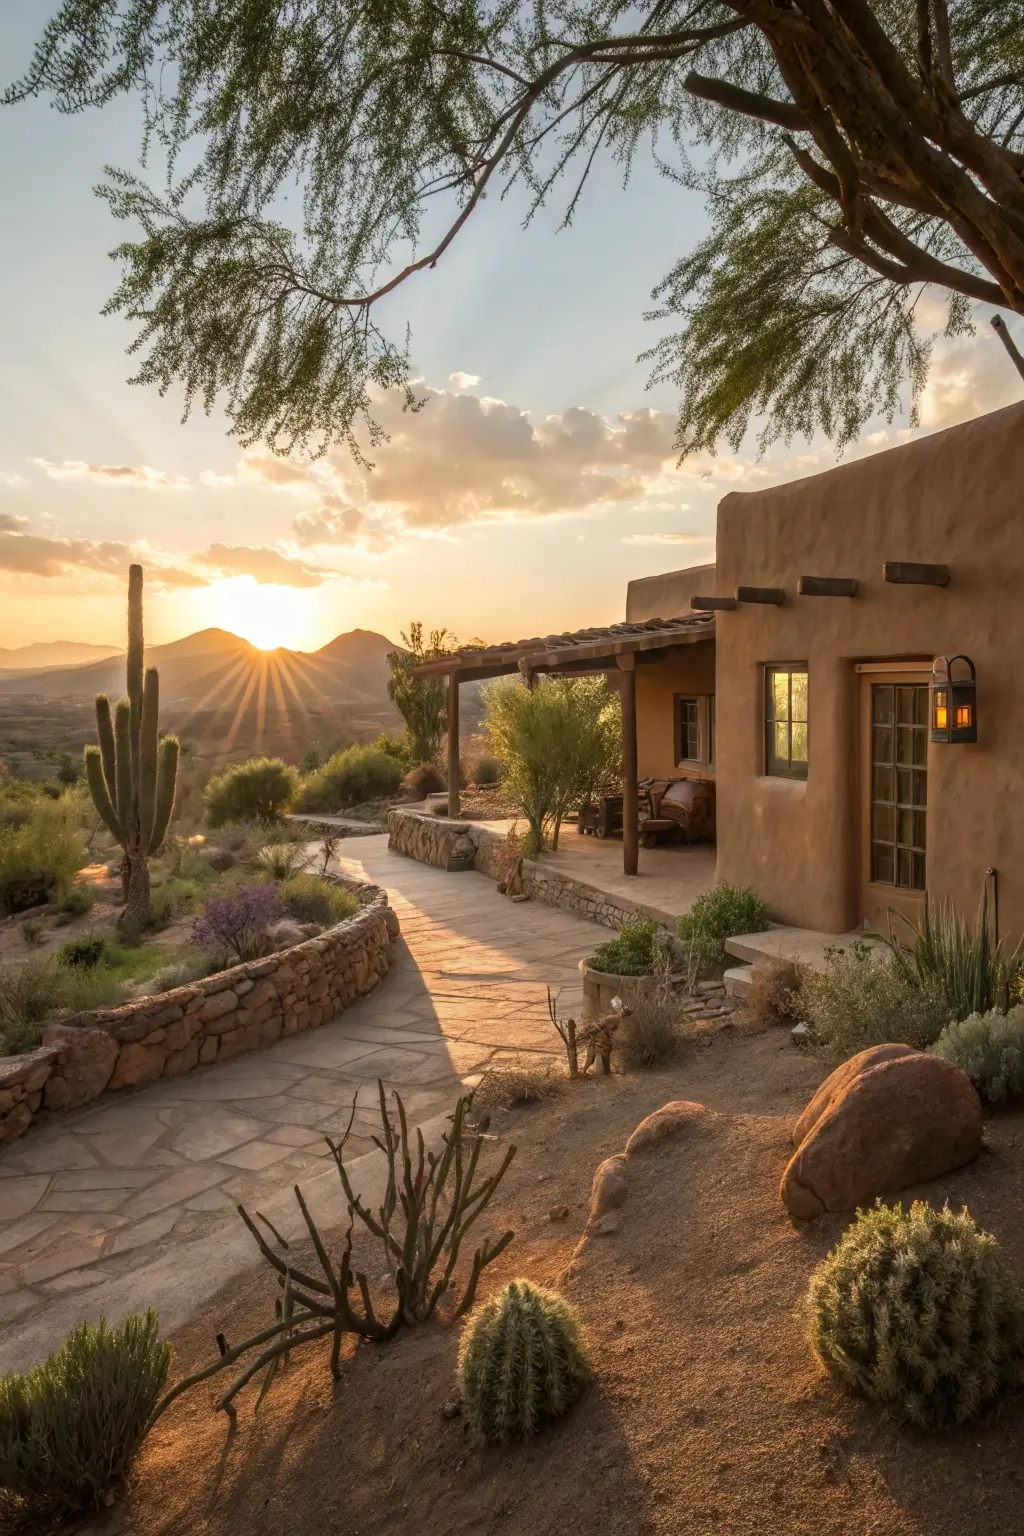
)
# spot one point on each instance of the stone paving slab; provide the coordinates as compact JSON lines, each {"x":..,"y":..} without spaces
{"x":144,"y":1183}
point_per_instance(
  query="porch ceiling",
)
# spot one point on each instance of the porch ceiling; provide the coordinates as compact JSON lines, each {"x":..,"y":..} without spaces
{"x":580,"y":650}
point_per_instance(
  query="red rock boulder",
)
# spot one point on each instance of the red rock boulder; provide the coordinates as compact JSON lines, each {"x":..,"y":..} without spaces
{"x":836,"y":1084}
{"x":894,"y":1120}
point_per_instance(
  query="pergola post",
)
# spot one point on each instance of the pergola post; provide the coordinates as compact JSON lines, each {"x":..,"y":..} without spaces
{"x":630,"y":796}
{"x":454,"y":807}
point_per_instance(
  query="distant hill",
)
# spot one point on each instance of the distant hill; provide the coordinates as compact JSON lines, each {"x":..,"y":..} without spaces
{"x":51,"y":653}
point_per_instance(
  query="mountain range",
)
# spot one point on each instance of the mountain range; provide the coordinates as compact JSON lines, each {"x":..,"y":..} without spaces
{"x":51,"y":653}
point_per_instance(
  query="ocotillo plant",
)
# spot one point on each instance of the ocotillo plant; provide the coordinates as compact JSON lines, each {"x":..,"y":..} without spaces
{"x":132,"y":773}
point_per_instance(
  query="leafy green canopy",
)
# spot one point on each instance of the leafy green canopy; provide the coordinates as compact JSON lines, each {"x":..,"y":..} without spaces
{"x":851,"y":152}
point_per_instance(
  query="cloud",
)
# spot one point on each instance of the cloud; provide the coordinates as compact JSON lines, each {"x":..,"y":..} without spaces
{"x":9,"y":523}
{"x":463,"y":380}
{"x":669,"y":538}
{"x":140,"y":476}
{"x":969,"y":376}
{"x":31,"y":554}
{"x":8,"y":479}
{"x":267,"y":566}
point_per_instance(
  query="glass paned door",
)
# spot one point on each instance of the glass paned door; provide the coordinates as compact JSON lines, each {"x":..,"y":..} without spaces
{"x":899,"y":784}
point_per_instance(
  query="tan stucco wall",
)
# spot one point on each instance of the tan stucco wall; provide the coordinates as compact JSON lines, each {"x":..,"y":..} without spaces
{"x":688,"y":671}
{"x":667,"y":596}
{"x":955,"y":497}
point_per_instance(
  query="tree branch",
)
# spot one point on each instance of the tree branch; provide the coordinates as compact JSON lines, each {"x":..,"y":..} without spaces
{"x":749,"y":103}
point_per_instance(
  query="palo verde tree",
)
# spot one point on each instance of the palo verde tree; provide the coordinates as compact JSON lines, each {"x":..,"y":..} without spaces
{"x":421,"y":701}
{"x":132,"y":774}
{"x":852,"y":154}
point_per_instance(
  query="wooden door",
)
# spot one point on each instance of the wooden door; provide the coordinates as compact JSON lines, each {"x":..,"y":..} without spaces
{"x":894,"y":796}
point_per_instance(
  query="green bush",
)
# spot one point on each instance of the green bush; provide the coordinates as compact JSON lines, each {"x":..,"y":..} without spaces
{"x":631,"y":952}
{"x":393,"y":747}
{"x":917,"y":1312}
{"x":652,"y":1032}
{"x":70,"y":1428}
{"x":32,"y":930}
{"x":82,"y":953}
{"x":40,"y":857}
{"x":717,"y":915}
{"x":350,"y":778}
{"x":309,"y":899}
{"x":171,"y":899}
{"x":866,"y":997}
{"x":989,"y":1047}
{"x":282,"y":860}
{"x":77,"y":900}
{"x":260,"y":790}
{"x":486,"y":771}
{"x":30,"y":993}
{"x":522,"y":1359}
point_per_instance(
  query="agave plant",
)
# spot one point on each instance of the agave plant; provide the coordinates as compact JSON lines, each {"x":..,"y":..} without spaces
{"x":960,"y":961}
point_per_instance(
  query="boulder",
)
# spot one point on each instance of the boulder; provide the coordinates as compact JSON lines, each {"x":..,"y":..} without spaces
{"x":83,"y":1068}
{"x":837,"y":1083}
{"x":900,"y":1121}
{"x":610,"y":1187}
{"x":667,"y":1121}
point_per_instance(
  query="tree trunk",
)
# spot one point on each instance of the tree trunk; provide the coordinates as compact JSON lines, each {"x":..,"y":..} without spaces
{"x":137,"y":912}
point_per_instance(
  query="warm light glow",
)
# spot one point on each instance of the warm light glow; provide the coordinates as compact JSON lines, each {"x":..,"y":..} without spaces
{"x":266,"y":616}
{"x":963,"y":715}
{"x":941,"y":712}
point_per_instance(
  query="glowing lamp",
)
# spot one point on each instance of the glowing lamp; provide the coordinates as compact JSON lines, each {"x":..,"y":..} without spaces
{"x":954,"y":701}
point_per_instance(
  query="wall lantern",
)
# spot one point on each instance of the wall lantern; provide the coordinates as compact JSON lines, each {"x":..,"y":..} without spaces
{"x":954,"y":701}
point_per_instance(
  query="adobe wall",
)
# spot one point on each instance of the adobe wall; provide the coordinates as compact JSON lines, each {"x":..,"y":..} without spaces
{"x":239,"y":1010}
{"x":954,"y":497}
{"x":667,"y":595}
{"x":690,"y":670}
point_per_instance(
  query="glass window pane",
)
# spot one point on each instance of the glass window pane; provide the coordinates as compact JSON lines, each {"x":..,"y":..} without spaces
{"x":883,"y":823}
{"x":904,"y":787}
{"x":883,"y":783}
{"x":882,"y":863}
{"x":780,"y":747}
{"x":905,"y":705}
{"x":799,"y":742}
{"x":919,"y":880}
{"x":780,"y":695}
{"x":920,"y":749}
{"x":919,"y":829}
{"x":905,"y":869}
{"x":799,"y":696}
{"x":881,"y":704}
{"x":921,"y":706}
{"x":905,"y":828}
{"x":905,"y":744}
{"x":920,"y":787}
{"x":881,"y":744}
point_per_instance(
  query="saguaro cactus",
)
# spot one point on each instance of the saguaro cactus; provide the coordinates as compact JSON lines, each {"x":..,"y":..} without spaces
{"x":132,"y":774}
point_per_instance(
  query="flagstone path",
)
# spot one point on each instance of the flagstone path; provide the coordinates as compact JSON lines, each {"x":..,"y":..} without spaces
{"x":149,"y":1175}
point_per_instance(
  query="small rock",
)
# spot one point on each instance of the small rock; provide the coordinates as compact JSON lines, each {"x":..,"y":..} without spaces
{"x":606,"y":1226}
{"x":800,"y":1032}
{"x":520,"y":896}
{"x":452,"y":1408}
{"x":558,"y":1213}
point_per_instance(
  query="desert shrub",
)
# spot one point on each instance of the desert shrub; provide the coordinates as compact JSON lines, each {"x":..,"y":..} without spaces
{"x":171,"y":899}
{"x":652,"y":1032}
{"x":350,"y":778}
{"x":718,"y":915}
{"x":282,"y":860}
{"x":631,"y":952}
{"x":774,"y":994}
{"x":423,"y":781}
{"x":866,"y":997}
{"x":260,"y":790}
{"x":309,"y":899}
{"x":522,"y":1359}
{"x":238,"y":923}
{"x":520,"y":1081}
{"x":77,"y":900}
{"x":958,"y":961}
{"x":393,"y":747}
{"x":69,"y":1428}
{"x":82,"y":953}
{"x":917,"y":1311}
{"x":486,"y":771}
{"x":40,"y":857}
{"x":32,"y":930}
{"x":185,"y":969}
{"x":31,"y":991}
{"x":989,"y":1047}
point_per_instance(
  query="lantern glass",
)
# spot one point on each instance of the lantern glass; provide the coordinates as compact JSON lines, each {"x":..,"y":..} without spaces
{"x":941,"y":721}
{"x":954,"y":711}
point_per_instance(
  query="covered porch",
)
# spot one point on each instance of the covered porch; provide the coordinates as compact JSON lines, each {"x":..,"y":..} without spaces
{"x":618,"y":651}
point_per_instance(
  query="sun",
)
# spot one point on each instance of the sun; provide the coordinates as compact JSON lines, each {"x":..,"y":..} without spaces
{"x":267,"y":616}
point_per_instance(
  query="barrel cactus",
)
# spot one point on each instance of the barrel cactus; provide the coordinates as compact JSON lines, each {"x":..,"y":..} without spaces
{"x":132,"y":774}
{"x":918,"y":1312}
{"x":522,"y":1359}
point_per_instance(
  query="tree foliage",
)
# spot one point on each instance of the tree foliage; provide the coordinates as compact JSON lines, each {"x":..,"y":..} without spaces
{"x":852,"y":153}
{"x":421,"y":701}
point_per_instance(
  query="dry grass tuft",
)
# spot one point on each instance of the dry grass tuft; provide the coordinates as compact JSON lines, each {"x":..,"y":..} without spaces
{"x":774,"y":996}
{"x":652,"y":1032}
{"x":521,"y":1080}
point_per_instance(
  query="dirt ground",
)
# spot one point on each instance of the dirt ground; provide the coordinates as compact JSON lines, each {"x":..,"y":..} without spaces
{"x":707,"y":1414}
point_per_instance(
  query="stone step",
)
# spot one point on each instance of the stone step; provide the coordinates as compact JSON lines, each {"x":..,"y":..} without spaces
{"x":737,"y":980}
{"x":804,"y":945}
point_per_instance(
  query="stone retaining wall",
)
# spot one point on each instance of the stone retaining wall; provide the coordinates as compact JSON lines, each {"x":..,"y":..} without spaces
{"x":445,"y":844}
{"x":216,"y":1019}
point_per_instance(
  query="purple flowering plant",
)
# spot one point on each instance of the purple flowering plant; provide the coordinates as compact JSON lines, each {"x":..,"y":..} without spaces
{"x":239,"y":922}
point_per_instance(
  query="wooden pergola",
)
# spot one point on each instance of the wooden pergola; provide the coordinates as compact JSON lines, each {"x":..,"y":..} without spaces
{"x":617,"y":650}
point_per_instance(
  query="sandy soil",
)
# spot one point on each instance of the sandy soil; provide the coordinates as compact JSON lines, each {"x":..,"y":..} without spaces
{"x":708,"y":1413}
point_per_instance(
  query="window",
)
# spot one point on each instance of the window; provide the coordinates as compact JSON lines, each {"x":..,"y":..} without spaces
{"x":899,"y":784}
{"x":785,"y":721}
{"x":695,"y":729}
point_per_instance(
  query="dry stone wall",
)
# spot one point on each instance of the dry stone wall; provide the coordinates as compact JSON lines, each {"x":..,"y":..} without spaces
{"x":449,"y":844}
{"x":216,"y":1019}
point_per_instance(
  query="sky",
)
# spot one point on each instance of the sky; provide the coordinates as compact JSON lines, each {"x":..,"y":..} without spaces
{"x":537,"y":480}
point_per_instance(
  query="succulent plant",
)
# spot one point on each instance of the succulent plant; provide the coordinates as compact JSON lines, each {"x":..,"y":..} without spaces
{"x":917,"y":1311}
{"x":522,"y":1359}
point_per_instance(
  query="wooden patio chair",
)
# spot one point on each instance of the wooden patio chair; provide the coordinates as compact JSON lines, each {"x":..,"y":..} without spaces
{"x":680,"y":805}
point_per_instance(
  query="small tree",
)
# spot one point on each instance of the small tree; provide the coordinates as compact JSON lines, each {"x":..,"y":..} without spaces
{"x":559,"y":742}
{"x":133,"y":772}
{"x":261,"y":789}
{"x":421,"y":701}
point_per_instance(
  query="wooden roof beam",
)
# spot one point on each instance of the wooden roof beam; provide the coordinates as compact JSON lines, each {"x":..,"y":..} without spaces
{"x":827,"y":586}
{"x":910,"y":573}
